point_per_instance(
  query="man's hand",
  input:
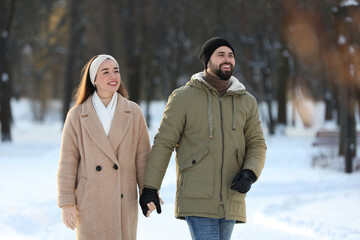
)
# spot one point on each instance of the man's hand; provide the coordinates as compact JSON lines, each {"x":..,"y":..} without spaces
{"x":68,"y":214}
{"x":149,"y":201}
{"x":243,"y":180}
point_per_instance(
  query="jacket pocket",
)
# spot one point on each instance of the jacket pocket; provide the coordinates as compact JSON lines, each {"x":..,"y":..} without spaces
{"x":234,"y":195}
{"x":234,"y":169}
{"x":197,"y":180}
{"x":80,"y":190}
{"x":194,"y":160}
{"x":234,"y":166}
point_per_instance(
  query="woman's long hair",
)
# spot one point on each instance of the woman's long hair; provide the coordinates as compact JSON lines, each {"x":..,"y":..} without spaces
{"x":86,"y":89}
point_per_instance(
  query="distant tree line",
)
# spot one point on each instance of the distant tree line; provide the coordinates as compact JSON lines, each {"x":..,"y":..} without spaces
{"x":285,"y":50}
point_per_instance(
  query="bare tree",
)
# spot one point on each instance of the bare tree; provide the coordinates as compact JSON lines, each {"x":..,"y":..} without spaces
{"x":132,"y":19}
{"x":7,"y":12}
{"x":76,"y":44}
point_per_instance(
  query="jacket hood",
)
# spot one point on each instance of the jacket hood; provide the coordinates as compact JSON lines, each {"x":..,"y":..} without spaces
{"x":197,"y":80}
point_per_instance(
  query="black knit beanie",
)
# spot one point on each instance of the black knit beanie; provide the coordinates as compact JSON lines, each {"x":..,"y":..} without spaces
{"x":210,"y":46}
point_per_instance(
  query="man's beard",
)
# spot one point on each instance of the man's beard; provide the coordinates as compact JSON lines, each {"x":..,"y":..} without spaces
{"x":223,"y":75}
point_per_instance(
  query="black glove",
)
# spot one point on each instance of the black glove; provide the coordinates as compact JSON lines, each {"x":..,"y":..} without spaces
{"x":243,"y":180}
{"x":149,"y":195}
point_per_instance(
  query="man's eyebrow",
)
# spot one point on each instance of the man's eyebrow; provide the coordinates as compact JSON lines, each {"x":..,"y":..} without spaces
{"x":222,"y":52}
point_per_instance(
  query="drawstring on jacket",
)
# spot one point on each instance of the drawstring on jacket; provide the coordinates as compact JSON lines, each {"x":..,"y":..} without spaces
{"x":210,"y":115}
{"x":233,"y":112}
{"x":236,"y":89}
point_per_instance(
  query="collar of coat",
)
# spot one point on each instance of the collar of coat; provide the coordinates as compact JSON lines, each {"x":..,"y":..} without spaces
{"x":236,"y":88}
{"x":120,"y":124}
{"x":197,"y":80}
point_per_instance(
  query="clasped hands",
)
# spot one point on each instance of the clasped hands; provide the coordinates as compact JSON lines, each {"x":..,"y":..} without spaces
{"x":149,"y":201}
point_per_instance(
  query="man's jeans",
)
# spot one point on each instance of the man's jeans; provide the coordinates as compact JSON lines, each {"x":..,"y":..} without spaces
{"x":210,"y":228}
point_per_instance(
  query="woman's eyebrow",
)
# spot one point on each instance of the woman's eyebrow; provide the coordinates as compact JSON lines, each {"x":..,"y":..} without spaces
{"x":106,"y":69}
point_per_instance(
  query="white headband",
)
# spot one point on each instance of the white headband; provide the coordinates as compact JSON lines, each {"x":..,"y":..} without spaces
{"x":94,"y":66}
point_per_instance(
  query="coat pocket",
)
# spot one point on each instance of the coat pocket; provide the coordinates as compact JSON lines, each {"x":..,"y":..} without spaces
{"x":234,"y":169}
{"x":80,"y":190}
{"x":197,"y":180}
{"x":236,"y":196}
{"x":194,"y":160}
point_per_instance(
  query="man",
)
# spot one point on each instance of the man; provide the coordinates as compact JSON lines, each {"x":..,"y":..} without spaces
{"x":213,"y":124}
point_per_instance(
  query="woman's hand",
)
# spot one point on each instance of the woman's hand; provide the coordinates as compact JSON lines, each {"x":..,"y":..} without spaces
{"x":152,"y":207}
{"x":68,"y":214}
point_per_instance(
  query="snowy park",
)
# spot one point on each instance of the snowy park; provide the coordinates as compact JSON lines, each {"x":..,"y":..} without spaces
{"x":292,"y":200}
{"x":299,"y":59}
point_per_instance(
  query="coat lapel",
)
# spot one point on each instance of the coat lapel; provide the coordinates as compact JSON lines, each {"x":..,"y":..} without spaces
{"x":121,"y":122}
{"x":92,"y":123}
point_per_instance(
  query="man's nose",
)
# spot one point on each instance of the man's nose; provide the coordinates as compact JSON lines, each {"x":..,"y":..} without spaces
{"x":227,"y":59}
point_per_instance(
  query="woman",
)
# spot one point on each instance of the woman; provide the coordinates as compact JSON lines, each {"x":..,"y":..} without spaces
{"x":104,"y":149}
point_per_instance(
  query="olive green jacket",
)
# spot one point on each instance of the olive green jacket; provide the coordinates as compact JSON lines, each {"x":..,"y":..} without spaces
{"x":214,"y":138}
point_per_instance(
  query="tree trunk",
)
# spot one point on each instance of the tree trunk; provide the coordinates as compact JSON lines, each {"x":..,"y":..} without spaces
{"x":76,"y":31}
{"x":284,"y":72}
{"x":347,"y":127}
{"x":132,"y":42}
{"x":348,"y":134}
{"x":328,"y":105}
{"x":6,"y":16}
{"x":109,"y":28}
{"x":268,"y":98}
{"x":5,"y":107}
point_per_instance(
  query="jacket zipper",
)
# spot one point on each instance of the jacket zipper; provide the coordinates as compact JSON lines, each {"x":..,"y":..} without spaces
{"x":222,"y":152}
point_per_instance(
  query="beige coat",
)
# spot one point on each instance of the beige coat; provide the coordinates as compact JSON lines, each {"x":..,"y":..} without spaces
{"x":100,"y":174}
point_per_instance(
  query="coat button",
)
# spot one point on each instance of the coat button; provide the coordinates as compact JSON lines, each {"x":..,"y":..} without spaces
{"x":98,"y":168}
{"x":122,"y":196}
{"x":193,"y":162}
{"x":115,"y":167}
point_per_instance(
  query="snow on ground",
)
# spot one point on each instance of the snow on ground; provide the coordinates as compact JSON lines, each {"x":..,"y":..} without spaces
{"x":291,"y":200}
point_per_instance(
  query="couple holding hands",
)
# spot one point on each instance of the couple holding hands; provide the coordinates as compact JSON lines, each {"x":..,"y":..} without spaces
{"x":213,"y":124}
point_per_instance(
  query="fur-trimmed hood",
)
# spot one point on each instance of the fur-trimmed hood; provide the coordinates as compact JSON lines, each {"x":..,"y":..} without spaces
{"x":236,"y":87}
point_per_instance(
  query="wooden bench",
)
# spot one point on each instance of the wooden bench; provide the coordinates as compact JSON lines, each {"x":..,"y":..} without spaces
{"x":327,"y":144}
{"x":330,"y":138}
